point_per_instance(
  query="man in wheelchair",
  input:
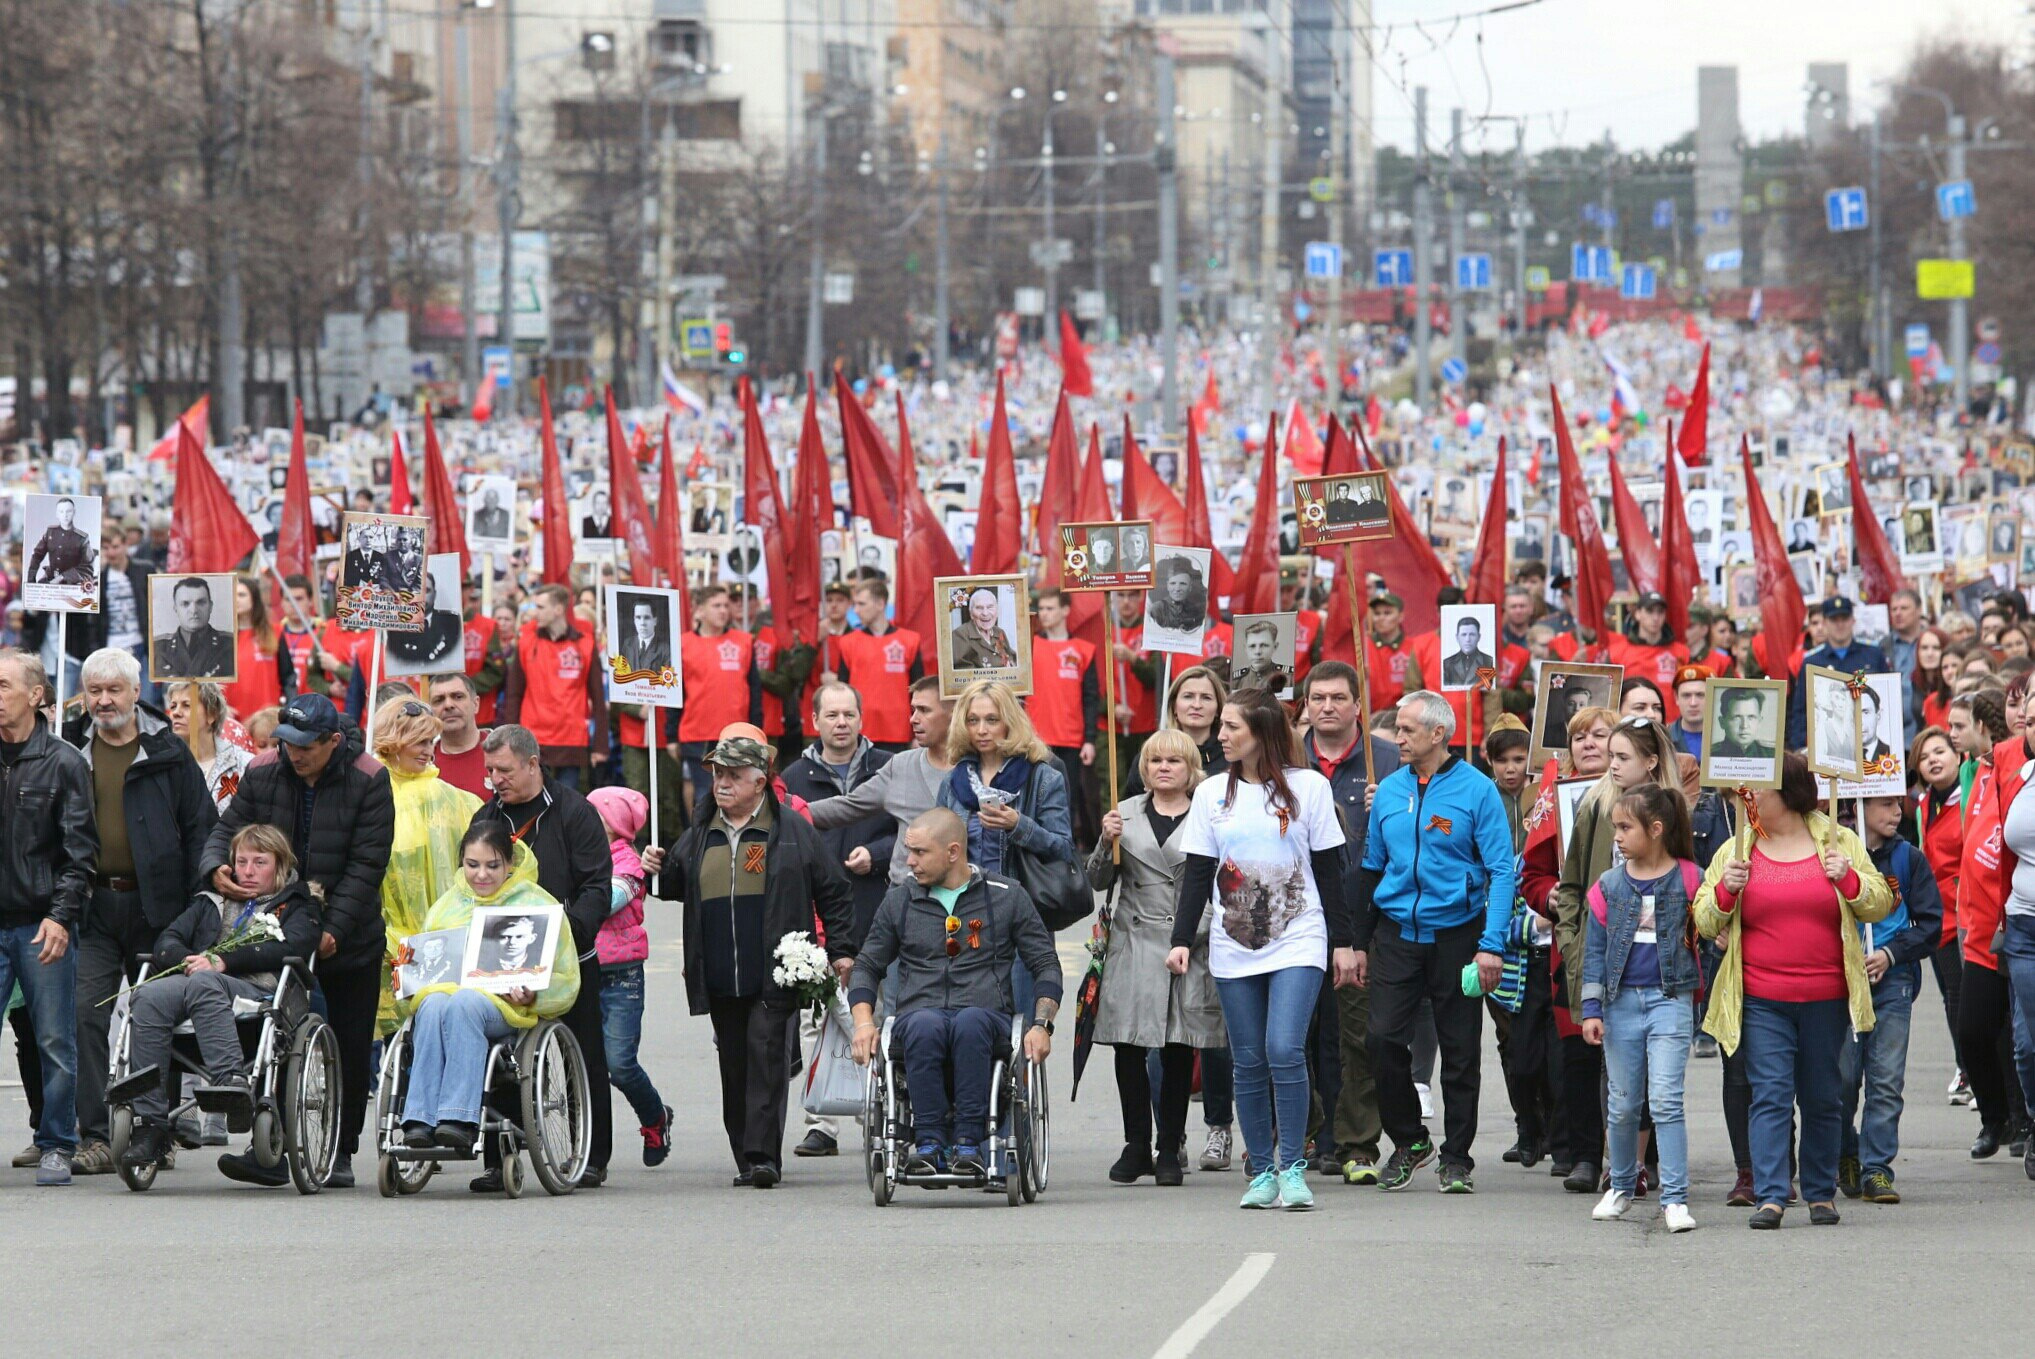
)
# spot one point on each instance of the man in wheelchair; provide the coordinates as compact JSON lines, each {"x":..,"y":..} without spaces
{"x":952,"y":932}
{"x":193,"y":978}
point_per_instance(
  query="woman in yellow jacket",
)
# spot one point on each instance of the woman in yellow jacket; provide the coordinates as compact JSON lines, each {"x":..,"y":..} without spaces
{"x":452,"y":1027}
{"x":1792,"y":987}
{"x":431,"y":815}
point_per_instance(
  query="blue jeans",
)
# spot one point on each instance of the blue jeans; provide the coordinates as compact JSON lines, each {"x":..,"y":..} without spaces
{"x":50,"y":991}
{"x":1794,"y":1056}
{"x":950,"y":1049}
{"x":1878,"y":1062}
{"x":449,"y":1038}
{"x":621,"y":1032}
{"x":1267,"y":1016}
{"x":1646,"y":1056}
{"x":2017,"y":962}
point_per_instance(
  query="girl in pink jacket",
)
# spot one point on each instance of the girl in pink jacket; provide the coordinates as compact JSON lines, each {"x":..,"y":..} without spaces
{"x":622,"y":947}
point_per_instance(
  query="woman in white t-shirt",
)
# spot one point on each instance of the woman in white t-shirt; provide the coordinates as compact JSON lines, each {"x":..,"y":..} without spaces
{"x":1264,"y":841}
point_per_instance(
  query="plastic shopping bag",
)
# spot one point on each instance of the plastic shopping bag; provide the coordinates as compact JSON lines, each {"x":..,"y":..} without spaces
{"x":834,"y":1082}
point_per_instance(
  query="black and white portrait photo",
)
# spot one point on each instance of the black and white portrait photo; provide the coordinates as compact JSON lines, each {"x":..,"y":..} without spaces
{"x":593,"y":519}
{"x":381,"y":574}
{"x":1468,"y":644}
{"x":491,"y":516}
{"x":193,"y":628}
{"x":1262,"y":653}
{"x":1801,"y":535}
{"x":509,"y":948}
{"x":1918,"y":488}
{"x":1342,"y":509}
{"x":1742,"y":739}
{"x":711,"y":516}
{"x":2003,"y":534}
{"x":1176,"y":611}
{"x":877,"y":554}
{"x":61,"y":567}
{"x":431,"y":958}
{"x":1833,"y":487}
{"x":1882,"y":753}
{"x":1834,"y":724}
{"x":643,"y":631}
{"x":441,"y":645}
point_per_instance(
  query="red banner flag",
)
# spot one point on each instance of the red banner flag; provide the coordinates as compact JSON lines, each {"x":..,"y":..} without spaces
{"x":1879,"y":568}
{"x":1145,"y":496}
{"x":1681,"y":574}
{"x":924,"y":551}
{"x":1406,"y":561}
{"x":297,"y":535}
{"x":557,"y":507}
{"x":1208,"y":406}
{"x":1693,"y":440}
{"x":1303,"y":449}
{"x":207,"y":530}
{"x":1781,"y":607}
{"x":197,"y":419}
{"x":1257,"y":583}
{"x":999,"y":518}
{"x":1487,"y":567}
{"x":1058,"y":489}
{"x":1642,"y":554}
{"x":670,"y":551}
{"x":447,"y":531}
{"x":1201,"y":532}
{"x":763,"y":504}
{"x":1074,"y":375}
{"x":812,"y":512}
{"x":1579,"y":522}
{"x":872,"y":468}
{"x":400,"y":501}
{"x":625,"y":493}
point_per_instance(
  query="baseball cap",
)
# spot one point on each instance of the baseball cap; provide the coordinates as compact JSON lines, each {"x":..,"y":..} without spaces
{"x":741,"y":746}
{"x":1652,"y":599}
{"x":1387,"y":601}
{"x":1837,"y":606}
{"x":306,"y":720}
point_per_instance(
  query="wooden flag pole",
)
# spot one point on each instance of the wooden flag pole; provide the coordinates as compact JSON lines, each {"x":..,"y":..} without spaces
{"x":63,"y":650}
{"x":1359,"y":654}
{"x":1109,"y":710}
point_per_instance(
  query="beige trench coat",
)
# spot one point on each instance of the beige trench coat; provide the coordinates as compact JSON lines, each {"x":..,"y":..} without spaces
{"x":1142,"y":1003}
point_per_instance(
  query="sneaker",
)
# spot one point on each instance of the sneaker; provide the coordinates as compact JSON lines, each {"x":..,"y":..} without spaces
{"x":1706,"y":1046}
{"x":1294,"y":1194}
{"x":1879,"y":1188}
{"x":1615,"y":1204}
{"x":93,"y":1158}
{"x":1960,"y":1089}
{"x":1455,"y":1179}
{"x":927,"y":1158}
{"x":189,"y":1130}
{"x":487,"y":1183}
{"x":1399,"y":1167}
{"x":1640,"y":1184}
{"x":818,"y":1142}
{"x":1848,"y":1171}
{"x":1678,"y":1218}
{"x":1263,"y":1191}
{"x":1360,"y":1170}
{"x":244,"y":1169}
{"x":53,"y":1169}
{"x":657,"y":1142}
{"x":1741,"y":1195}
{"x":1135,"y":1163}
{"x":1215,"y":1156}
{"x":31,"y":1156}
{"x":1426,"y":1094}
{"x":341,"y":1174}
{"x":1583,"y":1179}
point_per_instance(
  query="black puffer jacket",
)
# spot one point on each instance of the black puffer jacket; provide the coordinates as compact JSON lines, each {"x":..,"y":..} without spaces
{"x":353,"y":823}
{"x":167,"y":809}
{"x":199,"y":928}
{"x":49,"y":851}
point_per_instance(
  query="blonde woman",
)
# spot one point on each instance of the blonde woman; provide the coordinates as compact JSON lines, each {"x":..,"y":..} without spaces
{"x":197,"y":713}
{"x":431,"y":816}
{"x":1144,"y":1009}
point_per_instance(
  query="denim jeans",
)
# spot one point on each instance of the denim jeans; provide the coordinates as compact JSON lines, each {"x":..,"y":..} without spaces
{"x":950,"y":1049}
{"x":621,"y":1032}
{"x":1794,"y":1054}
{"x":1877,"y":1062}
{"x":50,"y":993}
{"x":1646,"y":1057}
{"x":449,"y":1040}
{"x":2017,"y":961}
{"x":1267,"y":1016}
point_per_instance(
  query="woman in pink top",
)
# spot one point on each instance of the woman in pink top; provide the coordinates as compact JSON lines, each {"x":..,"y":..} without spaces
{"x":1792,"y":987}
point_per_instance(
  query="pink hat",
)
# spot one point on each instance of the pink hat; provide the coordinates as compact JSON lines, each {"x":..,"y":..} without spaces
{"x":624,"y":809}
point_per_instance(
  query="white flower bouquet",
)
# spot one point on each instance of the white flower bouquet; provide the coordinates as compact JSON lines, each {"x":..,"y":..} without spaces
{"x":802,"y":967}
{"x":260,"y":928}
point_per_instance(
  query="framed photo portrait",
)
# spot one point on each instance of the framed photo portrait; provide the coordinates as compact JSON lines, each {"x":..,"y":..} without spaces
{"x":1176,"y":611}
{"x":2003,"y":533}
{"x":983,"y":632}
{"x":1882,"y":754}
{"x":643,"y":646}
{"x":1262,"y":653}
{"x":1834,"y":745}
{"x":710,"y":516}
{"x":491,"y":515}
{"x":1921,"y":543}
{"x":1469,"y":635}
{"x":511,"y":947}
{"x":431,"y":958}
{"x":381,"y":574}
{"x":1106,"y":556}
{"x":874,"y":553}
{"x":1352,"y":508}
{"x":1833,"y":488}
{"x":1569,"y":797}
{"x":1741,"y":590}
{"x":192,"y":636}
{"x":62,"y":567}
{"x":1566,"y":690}
{"x":1744,"y":722}
{"x":440,"y":646}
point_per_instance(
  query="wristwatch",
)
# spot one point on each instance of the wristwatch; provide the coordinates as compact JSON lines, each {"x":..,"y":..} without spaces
{"x":1045,"y":1024}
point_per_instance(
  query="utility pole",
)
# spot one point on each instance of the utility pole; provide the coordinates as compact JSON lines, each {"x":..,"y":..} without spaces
{"x":1270,"y":322}
{"x":508,"y":191}
{"x":1876,"y":307}
{"x":1166,"y":160}
{"x":469,"y":333}
{"x":1960,"y":308}
{"x":941,"y":356}
{"x":1051,"y":323}
{"x":1337,"y":154}
{"x":817,"y":266}
{"x":1459,"y":323}
{"x":1519,"y":215}
{"x":1607,"y":213}
{"x":1102,"y":215}
{"x":363,"y":276}
{"x":1423,"y":263}
{"x":667,"y":250}
{"x":232,"y":377}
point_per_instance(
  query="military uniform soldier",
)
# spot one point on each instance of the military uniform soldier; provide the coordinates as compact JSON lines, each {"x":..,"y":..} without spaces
{"x":196,"y":650}
{"x":63,"y":556}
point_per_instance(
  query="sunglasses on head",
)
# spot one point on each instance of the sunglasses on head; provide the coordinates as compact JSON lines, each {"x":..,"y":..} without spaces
{"x":414,"y":709}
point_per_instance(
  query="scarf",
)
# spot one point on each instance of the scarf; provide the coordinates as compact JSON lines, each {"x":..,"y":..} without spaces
{"x":966,"y":780}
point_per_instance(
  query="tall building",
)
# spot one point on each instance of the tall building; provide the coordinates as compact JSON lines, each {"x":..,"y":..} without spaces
{"x":1331,"y":68}
{"x":946,"y":59}
{"x":1720,"y":177}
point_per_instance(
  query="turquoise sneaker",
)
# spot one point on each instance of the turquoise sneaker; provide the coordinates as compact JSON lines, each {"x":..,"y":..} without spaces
{"x":1263,"y":1193}
{"x":1294,"y":1195}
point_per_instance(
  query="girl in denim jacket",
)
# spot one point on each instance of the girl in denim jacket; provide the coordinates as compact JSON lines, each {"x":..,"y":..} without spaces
{"x":1639,"y":990}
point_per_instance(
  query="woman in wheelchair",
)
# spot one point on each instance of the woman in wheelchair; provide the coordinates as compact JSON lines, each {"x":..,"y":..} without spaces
{"x":211,"y":980}
{"x":452,"y":1028}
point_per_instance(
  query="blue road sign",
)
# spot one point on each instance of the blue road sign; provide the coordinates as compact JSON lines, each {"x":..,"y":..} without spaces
{"x":1473,"y":273}
{"x":1663,"y":213}
{"x":1720,"y":217}
{"x":1590,"y":263}
{"x":1638,"y":282}
{"x":1987,"y":353}
{"x":1394,"y":268}
{"x":1724,"y":260}
{"x":1845,"y":209}
{"x":1324,"y":259}
{"x":1916,"y":339}
{"x":1954,"y":199}
{"x":1453,"y":371}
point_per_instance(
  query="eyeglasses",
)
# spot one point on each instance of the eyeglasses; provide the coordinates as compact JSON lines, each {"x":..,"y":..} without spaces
{"x":953,"y":939}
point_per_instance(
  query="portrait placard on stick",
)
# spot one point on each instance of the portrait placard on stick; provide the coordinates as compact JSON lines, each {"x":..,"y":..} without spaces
{"x":193,"y":633}
{"x":643,"y":646}
{"x":1744,"y":721}
{"x":1349,"y":508}
{"x":1564,"y":691}
{"x":1106,"y":556}
{"x":381,"y":578}
{"x":1834,"y":746}
{"x":1176,"y":612}
{"x":983,"y":633}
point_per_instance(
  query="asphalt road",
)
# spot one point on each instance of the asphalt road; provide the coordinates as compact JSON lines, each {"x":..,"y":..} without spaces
{"x":675,"y":1261}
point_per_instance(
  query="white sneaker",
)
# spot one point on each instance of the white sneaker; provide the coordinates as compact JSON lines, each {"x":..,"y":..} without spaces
{"x":1426,"y":1100}
{"x":1216,"y":1155}
{"x":1614,"y":1205}
{"x":1678,"y":1218}
{"x":1960,"y":1089}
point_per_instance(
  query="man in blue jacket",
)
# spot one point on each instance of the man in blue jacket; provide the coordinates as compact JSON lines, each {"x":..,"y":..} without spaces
{"x":1434,"y":894}
{"x":1840,"y":651}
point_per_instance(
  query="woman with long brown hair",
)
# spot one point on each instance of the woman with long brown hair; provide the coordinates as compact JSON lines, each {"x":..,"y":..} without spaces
{"x":1263,"y":842}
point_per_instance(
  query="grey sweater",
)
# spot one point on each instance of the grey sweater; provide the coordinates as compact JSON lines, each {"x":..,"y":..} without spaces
{"x":906,"y":787}
{"x":910,"y":929}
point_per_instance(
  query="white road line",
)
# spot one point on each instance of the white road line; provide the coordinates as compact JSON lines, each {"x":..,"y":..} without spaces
{"x":1195,"y":1329}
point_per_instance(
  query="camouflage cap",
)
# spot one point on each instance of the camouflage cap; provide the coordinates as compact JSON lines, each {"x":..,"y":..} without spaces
{"x":738,"y":752}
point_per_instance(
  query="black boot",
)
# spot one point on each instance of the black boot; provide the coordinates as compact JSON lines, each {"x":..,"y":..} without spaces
{"x":1133,"y":1165}
{"x":148,"y":1144}
{"x":1169,"y":1171}
{"x":244,"y":1169}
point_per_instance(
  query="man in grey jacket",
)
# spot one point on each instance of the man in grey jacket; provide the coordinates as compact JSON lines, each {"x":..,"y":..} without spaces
{"x":953,"y":931}
{"x":908,"y":784}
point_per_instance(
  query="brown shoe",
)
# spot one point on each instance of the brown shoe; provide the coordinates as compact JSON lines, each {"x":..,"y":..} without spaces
{"x":1741,"y":1192}
{"x":28,"y":1160}
{"x":93,"y":1158}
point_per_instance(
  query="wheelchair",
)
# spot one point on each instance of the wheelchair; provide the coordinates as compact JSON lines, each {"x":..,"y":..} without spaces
{"x":292,"y":1070}
{"x":540,"y":1072}
{"x":1017,"y":1150}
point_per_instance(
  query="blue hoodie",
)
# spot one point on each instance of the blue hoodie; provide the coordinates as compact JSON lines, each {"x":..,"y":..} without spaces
{"x":1443,"y":854}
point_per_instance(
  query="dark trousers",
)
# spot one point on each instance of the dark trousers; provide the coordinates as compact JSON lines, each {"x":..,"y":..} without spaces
{"x":1357,"y":1128}
{"x":1985,"y":1045}
{"x":1533,"y":1062}
{"x":113,"y":931}
{"x":951,"y":1050}
{"x":1583,"y":1100}
{"x":1947,"y":962}
{"x":1324,"y":1070}
{"x":1403,"y":974}
{"x":1081,"y":808}
{"x":351,"y":998}
{"x":1134,"y":1091}
{"x":588,"y":1027}
{"x":749,"y":1039}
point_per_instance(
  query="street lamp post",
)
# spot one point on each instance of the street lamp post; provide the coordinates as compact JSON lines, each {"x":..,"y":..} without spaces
{"x":1960,"y":308}
{"x":508,"y":192}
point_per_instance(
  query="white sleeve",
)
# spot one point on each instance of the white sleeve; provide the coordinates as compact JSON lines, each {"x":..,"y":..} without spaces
{"x":1197,"y":833}
{"x":1317,"y":810}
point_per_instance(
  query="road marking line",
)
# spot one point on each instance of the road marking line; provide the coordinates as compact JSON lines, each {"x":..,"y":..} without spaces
{"x":1196,"y":1328}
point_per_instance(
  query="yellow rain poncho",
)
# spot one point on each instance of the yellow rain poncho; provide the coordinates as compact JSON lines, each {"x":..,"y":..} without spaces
{"x":520,"y":889}
{"x":431,"y":817}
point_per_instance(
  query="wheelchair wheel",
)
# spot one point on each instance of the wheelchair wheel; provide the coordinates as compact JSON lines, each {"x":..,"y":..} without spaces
{"x":410,"y":1176}
{"x":385,"y":1175}
{"x":311,"y":1101}
{"x":557,"y":1117}
{"x":139,"y":1178}
{"x":1038,"y":1133}
{"x":268,"y":1139}
{"x":120,"y":1129}
{"x":512,"y":1169}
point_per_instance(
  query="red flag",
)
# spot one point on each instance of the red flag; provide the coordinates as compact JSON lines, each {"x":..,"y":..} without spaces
{"x":1075,"y":378}
{"x":1487,"y":567}
{"x":1406,"y":560}
{"x":447,"y":532}
{"x":1781,"y":608}
{"x":483,"y":401}
{"x":625,"y":493}
{"x":297,"y":536}
{"x":1693,"y":442}
{"x":1257,"y":587}
{"x":1145,"y":496}
{"x":1579,"y":522}
{"x":1681,"y":574}
{"x":198,"y":419}
{"x":670,"y":546}
{"x":999,"y":518}
{"x":1691,"y":331}
{"x":1201,"y":533}
{"x":399,"y":477}
{"x":763,"y":507}
{"x":1057,"y":490}
{"x":872,"y":471}
{"x":207,"y":530}
{"x":1208,"y":407}
{"x":1878,"y":568}
{"x":923,"y":549}
{"x":1303,"y":449}
{"x":1642,"y":554}
{"x":811,"y":512}
{"x":557,"y":508}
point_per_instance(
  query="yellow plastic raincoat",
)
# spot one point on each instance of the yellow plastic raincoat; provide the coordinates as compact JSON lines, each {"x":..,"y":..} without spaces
{"x":431,"y":817}
{"x":520,"y":889}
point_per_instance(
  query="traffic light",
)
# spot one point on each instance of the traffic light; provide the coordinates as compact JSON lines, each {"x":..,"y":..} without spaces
{"x":724,"y":336}
{"x":735,"y":358}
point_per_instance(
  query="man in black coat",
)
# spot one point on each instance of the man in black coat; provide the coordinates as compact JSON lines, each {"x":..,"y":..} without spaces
{"x":153,"y":812}
{"x":333,"y":801}
{"x":565,"y":834}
